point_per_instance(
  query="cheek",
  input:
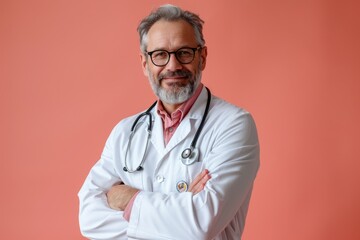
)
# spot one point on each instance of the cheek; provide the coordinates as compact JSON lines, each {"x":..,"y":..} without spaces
{"x":152,"y":73}
{"x":193,"y":69}
{"x":150,"y":70}
{"x":156,"y":72}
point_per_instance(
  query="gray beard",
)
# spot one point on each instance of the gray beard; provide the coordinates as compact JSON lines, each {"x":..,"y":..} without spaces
{"x":179,"y":93}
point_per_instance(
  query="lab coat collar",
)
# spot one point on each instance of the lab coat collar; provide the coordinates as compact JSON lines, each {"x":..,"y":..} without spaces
{"x":195,"y":114}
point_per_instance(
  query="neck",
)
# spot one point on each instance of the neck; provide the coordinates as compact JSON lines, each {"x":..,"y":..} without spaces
{"x":170,"y":108}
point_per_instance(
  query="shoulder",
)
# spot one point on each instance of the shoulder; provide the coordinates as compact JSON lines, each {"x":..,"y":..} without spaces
{"x":125,"y":124}
{"x":225,"y":110}
{"x":230,"y":117}
{"x":228,"y":121}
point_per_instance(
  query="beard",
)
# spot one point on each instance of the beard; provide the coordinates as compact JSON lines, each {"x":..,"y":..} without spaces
{"x":179,"y":92}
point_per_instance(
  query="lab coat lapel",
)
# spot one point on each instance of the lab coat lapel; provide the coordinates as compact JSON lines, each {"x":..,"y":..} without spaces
{"x":180,"y":134}
{"x":184,"y":129}
{"x":190,"y":123}
{"x":157,"y":136}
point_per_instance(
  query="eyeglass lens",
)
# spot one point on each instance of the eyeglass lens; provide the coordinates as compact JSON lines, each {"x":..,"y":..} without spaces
{"x":162,"y":57}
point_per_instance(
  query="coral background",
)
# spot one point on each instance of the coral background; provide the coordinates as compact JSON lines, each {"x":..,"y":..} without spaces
{"x":70,"y":70}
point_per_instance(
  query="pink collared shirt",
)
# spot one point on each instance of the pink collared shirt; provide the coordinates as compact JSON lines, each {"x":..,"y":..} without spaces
{"x":170,"y":124}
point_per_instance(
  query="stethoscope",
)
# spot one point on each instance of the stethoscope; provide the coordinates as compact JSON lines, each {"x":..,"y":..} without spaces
{"x":188,"y":156}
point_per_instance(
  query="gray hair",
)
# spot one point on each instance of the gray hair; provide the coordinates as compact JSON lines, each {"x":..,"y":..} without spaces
{"x":170,"y":12}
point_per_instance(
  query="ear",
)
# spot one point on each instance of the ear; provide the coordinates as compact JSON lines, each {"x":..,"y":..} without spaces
{"x":203,"y":56}
{"x":144,"y":63}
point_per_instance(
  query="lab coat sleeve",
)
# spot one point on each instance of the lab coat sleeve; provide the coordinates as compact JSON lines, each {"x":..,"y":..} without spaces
{"x":97,"y":220}
{"x":232,"y":162}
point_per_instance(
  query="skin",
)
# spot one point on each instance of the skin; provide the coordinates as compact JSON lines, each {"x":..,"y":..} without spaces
{"x":168,"y":36}
{"x":172,"y":36}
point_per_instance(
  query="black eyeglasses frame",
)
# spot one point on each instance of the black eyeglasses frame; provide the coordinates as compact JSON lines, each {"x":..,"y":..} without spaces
{"x":174,"y":52}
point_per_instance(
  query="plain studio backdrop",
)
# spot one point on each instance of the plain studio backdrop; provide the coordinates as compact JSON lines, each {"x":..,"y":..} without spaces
{"x":70,"y":70}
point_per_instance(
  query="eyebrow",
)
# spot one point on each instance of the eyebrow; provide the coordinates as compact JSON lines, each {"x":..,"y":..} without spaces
{"x":184,"y":46}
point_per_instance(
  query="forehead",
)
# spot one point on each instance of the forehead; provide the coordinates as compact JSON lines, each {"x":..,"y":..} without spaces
{"x":171,"y":35}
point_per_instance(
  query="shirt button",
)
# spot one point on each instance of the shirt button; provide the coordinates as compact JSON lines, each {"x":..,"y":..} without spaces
{"x":171,"y":129}
{"x":159,"y":178}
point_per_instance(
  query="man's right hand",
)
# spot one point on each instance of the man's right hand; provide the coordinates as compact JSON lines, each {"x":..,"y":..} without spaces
{"x":199,"y":182}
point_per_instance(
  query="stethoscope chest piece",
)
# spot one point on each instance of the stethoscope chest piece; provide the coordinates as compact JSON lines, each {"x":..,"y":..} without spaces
{"x":189,"y":156}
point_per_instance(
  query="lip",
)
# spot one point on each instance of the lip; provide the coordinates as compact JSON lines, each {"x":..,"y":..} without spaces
{"x":174,"y":79}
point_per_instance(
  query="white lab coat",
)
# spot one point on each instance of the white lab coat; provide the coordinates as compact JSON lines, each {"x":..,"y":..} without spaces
{"x":229,"y":149}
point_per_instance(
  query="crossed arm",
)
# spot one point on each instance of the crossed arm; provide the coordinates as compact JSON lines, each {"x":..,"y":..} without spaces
{"x":119,"y":196}
{"x":210,"y":210}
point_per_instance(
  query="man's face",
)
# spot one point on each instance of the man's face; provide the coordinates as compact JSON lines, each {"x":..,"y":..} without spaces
{"x":175,"y":82}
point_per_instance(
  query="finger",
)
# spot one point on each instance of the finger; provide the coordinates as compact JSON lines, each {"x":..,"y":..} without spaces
{"x":198,"y":188}
{"x":201,"y":184}
{"x":198,"y":178}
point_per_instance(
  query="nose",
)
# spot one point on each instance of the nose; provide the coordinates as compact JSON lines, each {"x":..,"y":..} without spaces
{"x":173,"y":63}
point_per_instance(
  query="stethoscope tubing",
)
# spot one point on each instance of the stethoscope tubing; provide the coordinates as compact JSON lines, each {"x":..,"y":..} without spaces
{"x":187,"y":154}
{"x":202,"y":123}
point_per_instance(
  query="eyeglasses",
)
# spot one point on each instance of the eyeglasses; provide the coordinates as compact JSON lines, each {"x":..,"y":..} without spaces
{"x":184,"y":55}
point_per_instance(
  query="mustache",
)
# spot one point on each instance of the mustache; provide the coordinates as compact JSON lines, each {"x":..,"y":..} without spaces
{"x":177,"y":73}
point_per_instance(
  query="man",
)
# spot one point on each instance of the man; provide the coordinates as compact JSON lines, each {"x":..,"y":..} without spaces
{"x":192,"y":177}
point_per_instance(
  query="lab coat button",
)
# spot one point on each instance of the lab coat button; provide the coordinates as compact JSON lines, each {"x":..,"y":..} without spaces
{"x":160,"y":179}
